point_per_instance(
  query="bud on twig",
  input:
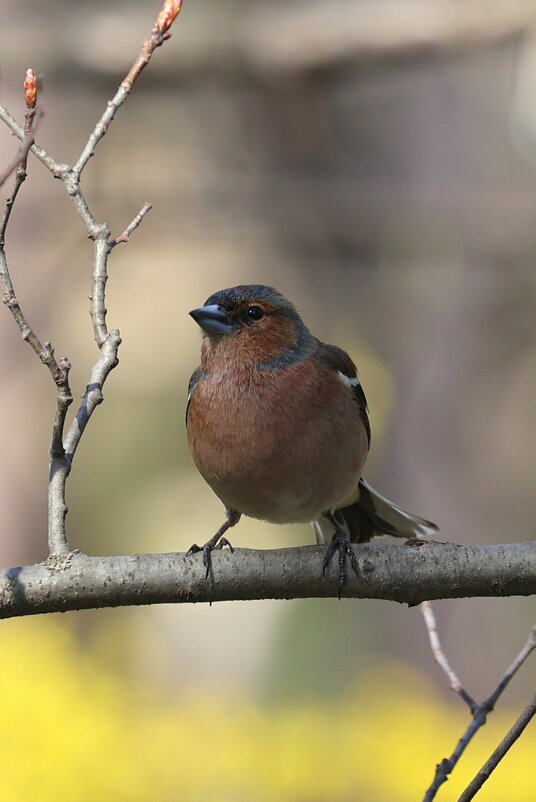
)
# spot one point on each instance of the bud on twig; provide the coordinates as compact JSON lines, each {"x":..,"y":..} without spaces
{"x":30,"y":89}
{"x":168,"y":13}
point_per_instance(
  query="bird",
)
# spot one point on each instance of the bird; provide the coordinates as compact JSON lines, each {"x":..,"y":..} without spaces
{"x":277,"y":424}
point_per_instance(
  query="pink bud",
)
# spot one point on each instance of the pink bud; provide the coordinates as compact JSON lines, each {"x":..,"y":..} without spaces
{"x":168,"y":13}
{"x":30,"y":89}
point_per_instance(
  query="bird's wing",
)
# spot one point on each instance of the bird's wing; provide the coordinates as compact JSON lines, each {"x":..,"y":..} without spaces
{"x":192,"y":384}
{"x":339,"y":361}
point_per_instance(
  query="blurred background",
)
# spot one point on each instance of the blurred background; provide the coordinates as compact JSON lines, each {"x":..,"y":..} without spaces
{"x":376,"y":162}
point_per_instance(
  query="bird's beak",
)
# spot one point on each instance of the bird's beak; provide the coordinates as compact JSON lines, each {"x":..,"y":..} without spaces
{"x":212,"y":319}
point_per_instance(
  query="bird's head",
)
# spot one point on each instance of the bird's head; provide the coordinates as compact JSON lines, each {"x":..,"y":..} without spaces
{"x":250,"y":323}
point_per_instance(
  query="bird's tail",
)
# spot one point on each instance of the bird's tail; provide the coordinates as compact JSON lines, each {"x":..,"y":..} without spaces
{"x":373,"y":515}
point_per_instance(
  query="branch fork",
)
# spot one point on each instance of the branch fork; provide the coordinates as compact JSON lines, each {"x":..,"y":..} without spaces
{"x":479,"y":712}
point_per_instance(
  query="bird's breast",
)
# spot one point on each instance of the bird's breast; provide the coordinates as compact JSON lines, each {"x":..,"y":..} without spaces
{"x":277,"y":445}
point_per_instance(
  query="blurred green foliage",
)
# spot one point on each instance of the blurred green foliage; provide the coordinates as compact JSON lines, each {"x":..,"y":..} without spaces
{"x":72,"y":728}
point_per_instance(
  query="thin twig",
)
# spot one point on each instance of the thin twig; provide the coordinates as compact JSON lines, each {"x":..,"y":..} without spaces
{"x":157,"y":37}
{"x":45,"y":352}
{"x":509,"y":739}
{"x":100,"y":233}
{"x":44,"y":157}
{"x":21,"y":156}
{"x":19,"y":164}
{"x":509,"y":673}
{"x":480,"y":714}
{"x":106,"y":362}
{"x":124,"y":237}
{"x":428,"y":612}
{"x":30,"y":124}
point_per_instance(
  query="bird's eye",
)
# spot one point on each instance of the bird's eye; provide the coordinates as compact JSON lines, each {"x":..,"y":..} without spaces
{"x":255,"y":313}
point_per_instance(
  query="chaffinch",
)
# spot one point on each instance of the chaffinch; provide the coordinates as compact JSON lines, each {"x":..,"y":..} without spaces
{"x":277,"y":425}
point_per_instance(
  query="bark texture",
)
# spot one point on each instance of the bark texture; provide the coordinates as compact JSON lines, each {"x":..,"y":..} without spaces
{"x":407,"y":574}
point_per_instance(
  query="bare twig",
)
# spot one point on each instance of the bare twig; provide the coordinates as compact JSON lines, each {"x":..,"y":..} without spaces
{"x":45,"y":352}
{"x":62,"y":453}
{"x":20,"y":160}
{"x":93,"y":396}
{"x":529,"y":645}
{"x":157,"y":37}
{"x":124,"y":237}
{"x":479,"y":711}
{"x":56,"y":168}
{"x":391,"y":572}
{"x":99,"y":232}
{"x":440,"y":657}
{"x":509,"y":739}
{"x":18,"y":164}
{"x":21,"y":156}
{"x":61,"y":462}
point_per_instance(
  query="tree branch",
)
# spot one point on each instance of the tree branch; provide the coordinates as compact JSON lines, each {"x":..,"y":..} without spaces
{"x":62,"y":453}
{"x":45,"y":158}
{"x":398,"y":573}
{"x":509,"y":739}
{"x":134,"y":223}
{"x":441,"y":658}
{"x":106,"y":362}
{"x":21,"y":157}
{"x":157,"y":37}
{"x":479,"y":711}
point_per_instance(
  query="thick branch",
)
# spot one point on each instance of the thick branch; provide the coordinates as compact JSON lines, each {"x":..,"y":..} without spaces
{"x":398,"y":573}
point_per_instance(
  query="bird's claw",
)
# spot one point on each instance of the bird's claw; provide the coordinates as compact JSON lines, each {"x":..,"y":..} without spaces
{"x":207,"y":550}
{"x":224,"y":542}
{"x":340,"y":543}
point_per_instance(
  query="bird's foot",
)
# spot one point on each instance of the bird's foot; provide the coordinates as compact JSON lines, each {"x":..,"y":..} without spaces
{"x":207,"y":550}
{"x":340,"y":543}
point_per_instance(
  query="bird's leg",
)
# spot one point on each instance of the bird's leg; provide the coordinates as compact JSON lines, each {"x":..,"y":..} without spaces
{"x":216,"y":542}
{"x":340,"y":543}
